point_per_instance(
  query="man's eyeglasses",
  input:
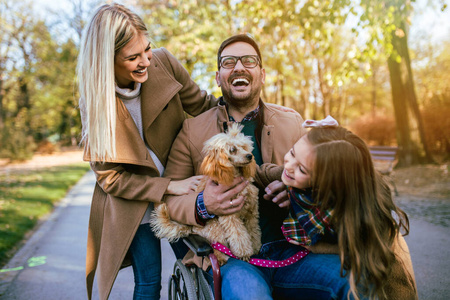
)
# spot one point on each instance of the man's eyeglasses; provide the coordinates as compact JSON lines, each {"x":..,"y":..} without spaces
{"x":248,"y":61}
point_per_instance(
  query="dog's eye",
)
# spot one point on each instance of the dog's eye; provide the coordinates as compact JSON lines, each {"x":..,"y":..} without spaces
{"x":233,"y":150}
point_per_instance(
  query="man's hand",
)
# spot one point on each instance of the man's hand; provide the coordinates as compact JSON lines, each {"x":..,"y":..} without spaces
{"x":221,"y":199}
{"x":277,"y":193}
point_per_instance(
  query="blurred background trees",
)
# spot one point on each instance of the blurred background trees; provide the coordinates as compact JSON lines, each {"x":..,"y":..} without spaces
{"x":354,"y":60}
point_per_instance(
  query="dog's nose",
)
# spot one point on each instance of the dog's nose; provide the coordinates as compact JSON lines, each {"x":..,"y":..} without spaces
{"x":249,"y":156}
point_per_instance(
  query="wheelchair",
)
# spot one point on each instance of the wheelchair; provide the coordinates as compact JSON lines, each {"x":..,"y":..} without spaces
{"x":188,"y":282}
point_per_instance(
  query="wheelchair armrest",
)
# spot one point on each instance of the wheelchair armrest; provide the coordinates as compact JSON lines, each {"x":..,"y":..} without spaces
{"x":199,"y":245}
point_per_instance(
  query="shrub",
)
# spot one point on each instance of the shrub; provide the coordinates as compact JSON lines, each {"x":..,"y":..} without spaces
{"x":16,"y":145}
{"x":46,"y":147}
{"x":375,"y":130}
{"x":436,"y":126}
{"x":16,"y":142}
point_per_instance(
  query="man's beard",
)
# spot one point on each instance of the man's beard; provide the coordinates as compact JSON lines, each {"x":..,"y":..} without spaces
{"x":243,"y":101}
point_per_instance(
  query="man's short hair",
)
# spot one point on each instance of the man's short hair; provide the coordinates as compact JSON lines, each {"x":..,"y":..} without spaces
{"x":244,"y":37}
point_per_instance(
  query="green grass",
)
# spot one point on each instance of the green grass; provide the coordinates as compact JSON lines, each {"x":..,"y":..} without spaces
{"x":27,"y":197}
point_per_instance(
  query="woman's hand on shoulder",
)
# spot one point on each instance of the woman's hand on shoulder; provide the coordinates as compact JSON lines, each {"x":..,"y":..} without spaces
{"x":182,"y":187}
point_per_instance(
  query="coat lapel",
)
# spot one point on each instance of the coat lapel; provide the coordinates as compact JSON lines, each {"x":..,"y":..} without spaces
{"x":129,"y":145}
{"x":157,"y":91}
{"x":267,"y":136}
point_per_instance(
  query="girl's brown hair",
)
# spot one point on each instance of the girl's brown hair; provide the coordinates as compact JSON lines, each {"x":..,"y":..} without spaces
{"x":365,"y":218}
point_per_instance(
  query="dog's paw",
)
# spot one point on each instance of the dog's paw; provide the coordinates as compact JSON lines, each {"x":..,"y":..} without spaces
{"x":242,"y":248}
{"x":221,"y":257}
{"x":245,"y":258}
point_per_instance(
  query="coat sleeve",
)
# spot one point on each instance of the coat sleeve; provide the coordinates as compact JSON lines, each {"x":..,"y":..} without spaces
{"x":194,"y":100}
{"x":118,"y":181}
{"x":402,"y":283}
{"x":266,"y":173}
{"x":180,"y":165}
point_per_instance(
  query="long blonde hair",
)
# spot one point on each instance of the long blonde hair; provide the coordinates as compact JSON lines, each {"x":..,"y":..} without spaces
{"x":111,"y":27}
{"x":365,"y":218}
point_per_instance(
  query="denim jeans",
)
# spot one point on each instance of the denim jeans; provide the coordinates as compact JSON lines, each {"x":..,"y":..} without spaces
{"x":316,"y":276}
{"x":145,"y":251}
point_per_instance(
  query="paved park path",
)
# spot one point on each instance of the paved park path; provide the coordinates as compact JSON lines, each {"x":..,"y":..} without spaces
{"x":51,"y":263}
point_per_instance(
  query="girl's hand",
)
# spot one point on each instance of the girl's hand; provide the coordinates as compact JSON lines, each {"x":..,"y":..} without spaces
{"x":185,"y":186}
{"x":277,"y":193}
{"x":294,"y":242}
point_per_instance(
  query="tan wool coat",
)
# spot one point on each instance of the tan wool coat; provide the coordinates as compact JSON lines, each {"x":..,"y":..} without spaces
{"x":127,"y":185}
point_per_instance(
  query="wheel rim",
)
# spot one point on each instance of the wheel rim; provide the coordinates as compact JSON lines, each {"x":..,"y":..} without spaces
{"x":181,"y":283}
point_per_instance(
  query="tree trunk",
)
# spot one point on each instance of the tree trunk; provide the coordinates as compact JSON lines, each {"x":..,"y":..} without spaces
{"x":304,"y":105}
{"x":410,"y":135}
{"x":324,"y":91}
{"x":411,"y":96}
{"x":2,"y":111}
{"x":374,"y":90}
{"x":341,"y":105}
{"x":406,"y":155}
{"x":314,"y":106}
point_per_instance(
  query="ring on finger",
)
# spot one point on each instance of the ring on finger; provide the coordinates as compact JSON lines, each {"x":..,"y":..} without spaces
{"x":231,"y":203}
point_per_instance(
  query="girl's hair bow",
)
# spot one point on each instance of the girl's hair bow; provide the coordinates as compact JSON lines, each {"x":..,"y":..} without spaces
{"x":329,"y":121}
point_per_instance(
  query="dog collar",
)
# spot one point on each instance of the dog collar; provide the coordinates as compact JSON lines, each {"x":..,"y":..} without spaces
{"x":266,"y":263}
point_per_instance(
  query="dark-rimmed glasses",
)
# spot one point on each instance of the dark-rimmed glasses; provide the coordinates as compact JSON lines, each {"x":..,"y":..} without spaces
{"x":248,"y":61}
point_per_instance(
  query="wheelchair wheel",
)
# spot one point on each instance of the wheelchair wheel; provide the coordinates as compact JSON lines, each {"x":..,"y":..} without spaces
{"x":205,"y":289}
{"x":181,"y":284}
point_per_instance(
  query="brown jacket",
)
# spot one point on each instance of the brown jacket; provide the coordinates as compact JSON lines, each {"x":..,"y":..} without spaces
{"x":280,"y":132}
{"x":127,"y":185}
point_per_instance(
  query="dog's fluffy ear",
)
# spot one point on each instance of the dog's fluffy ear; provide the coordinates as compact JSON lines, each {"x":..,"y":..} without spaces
{"x":217,"y":167}
{"x":249,"y":170}
{"x":235,"y":129}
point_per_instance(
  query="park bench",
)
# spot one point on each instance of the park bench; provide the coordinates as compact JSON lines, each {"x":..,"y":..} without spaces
{"x":384,"y":159}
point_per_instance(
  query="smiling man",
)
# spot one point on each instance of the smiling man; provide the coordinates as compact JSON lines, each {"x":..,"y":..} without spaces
{"x":241,"y":76}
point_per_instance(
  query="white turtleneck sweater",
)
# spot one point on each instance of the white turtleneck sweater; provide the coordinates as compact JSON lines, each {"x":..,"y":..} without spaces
{"x":132,"y":100}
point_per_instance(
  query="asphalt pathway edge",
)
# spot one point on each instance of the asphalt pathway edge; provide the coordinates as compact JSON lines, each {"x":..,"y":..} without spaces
{"x":20,"y":259}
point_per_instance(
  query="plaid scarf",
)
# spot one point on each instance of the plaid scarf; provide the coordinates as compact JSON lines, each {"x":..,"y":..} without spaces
{"x":305,"y":224}
{"x":249,"y":117}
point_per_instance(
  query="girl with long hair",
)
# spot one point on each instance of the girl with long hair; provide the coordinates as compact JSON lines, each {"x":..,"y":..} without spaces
{"x":338,"y":197}
{"x":133,"y":101}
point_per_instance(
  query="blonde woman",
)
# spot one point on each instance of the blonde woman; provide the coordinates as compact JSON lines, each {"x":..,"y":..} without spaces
{"x":132,"y":103}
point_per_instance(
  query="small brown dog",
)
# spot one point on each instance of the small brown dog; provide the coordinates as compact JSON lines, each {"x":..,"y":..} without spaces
{"x":228,"y":155}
